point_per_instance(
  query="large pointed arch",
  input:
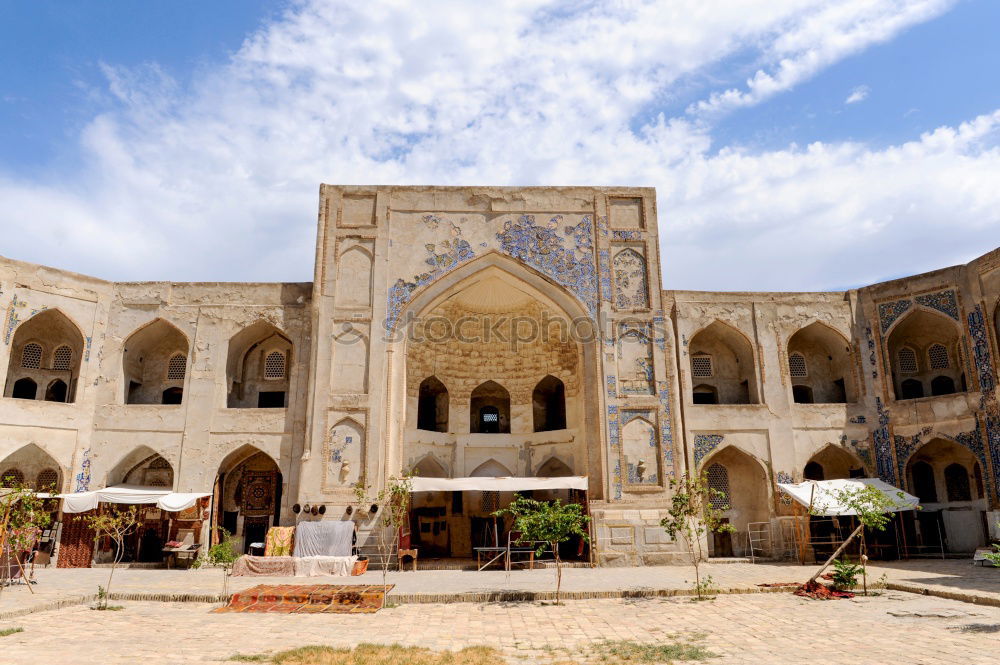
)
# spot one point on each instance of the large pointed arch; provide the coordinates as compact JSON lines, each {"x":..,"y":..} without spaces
{"x":825,"y":363}
{"x":749,"y":496}
{"x":833,"y":462}
{"x":149,"y":365}
{"x":731,"y":359}
{"x":919,"y":330}
{"x":57,"y":348}
{"x":429,"y":467}
{"x":491,"y":468}
{"x":250,"y":381}
{"x":36,"y":467}
{"x":132,"y":469}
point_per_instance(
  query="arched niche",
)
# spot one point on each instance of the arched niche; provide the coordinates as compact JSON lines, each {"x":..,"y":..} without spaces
{"x":354,"y":278}
{"x":491,"y":469}
{"x":489,"y":409}
{"x":46,"y":350}
{"x":635,"y":362}
{"x":429,"y":467}
{"x":247,"y":495}
{"x":924,"y":346}
{"x":258,"y":365}
{"x":721,"y":357}
{"x":155,"y":364}
{"x":819,"y":358}
{"x":832,"y":463}
{"x":948,"y":479}
{"x":144,"y":467}
{"x":344,"y":454}
{"x":34,"y":467}
{"x":433,"y":405}
{"x":640,"y":453}
{"x":554,"y":467}
{"x":548,"y":405}
{"x":747,"y":497}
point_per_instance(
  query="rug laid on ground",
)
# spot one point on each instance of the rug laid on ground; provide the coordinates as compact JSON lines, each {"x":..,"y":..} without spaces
{"x":309,"y":598}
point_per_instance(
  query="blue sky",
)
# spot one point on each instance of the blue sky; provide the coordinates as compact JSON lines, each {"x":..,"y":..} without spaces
{"x":794,"y":144}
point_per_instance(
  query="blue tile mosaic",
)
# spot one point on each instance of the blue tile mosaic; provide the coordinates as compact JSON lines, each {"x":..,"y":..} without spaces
{"x":620,"y":234}
{"x":945,"y":302}
{"x":543,"y":248}
{"x":630,"y":280}
{"x":666,"y":428}
{"x":604,"y":257}
{"x":705,"y":444}
{"x":858,"y":420}
{"x":12,"y":318}
{"x":785,"y":478}
{"x":888,"y":312}
{"x":882,"y":444}
{"x":981,"y":350}
{"x":871,"y":352}
{"x":83,"y":478}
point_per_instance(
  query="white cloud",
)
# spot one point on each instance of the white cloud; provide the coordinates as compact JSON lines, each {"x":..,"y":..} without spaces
{"x":859,"y":94}
{"x":218,"y":178}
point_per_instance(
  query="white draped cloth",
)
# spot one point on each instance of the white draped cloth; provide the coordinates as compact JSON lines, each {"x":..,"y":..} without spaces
{"x":823,"y":496}
{"x":164,"y":499}
{"x":324,"y":538}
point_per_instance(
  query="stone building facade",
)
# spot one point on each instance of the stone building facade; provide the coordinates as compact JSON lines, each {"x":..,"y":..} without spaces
{"x":464,"y":331}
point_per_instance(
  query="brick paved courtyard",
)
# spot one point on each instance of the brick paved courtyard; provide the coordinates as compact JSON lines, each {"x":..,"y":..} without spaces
{"x":762,"y":628}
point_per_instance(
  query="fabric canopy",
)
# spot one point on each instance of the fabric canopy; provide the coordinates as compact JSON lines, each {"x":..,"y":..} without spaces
{"x":134,"y":494}
{"x":822,"y":495}
{"x":502,"y":484}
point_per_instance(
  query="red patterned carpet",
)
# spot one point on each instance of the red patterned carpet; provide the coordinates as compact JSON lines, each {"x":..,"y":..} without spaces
{"x":309,"y":598}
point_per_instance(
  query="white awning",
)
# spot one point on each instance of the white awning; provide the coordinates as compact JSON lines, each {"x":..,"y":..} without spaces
{"x":497,"y":484}
{"x":132,"y":494}
{"x":822,"y":494}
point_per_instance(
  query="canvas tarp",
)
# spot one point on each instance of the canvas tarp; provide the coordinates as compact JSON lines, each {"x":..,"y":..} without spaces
{"x":497,"y":484}
{"x":324,"y":538}
{"x":132,"y":494}
{"x":822,"y":495}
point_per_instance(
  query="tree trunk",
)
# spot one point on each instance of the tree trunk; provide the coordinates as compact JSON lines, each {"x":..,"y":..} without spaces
{"x":864,"y":563}
{"x":555,"y":550}
{"x":833,"y":556}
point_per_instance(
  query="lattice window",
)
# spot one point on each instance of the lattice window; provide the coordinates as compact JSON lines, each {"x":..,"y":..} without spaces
{"x":62,"y":358}
{"x":274,"y":365}
{"x":10,"y":477}
{"x":490,"y":501}
{"x":938,"y":356}
{"x":797,"y":365}
{"x":47,"y":480}
{"x":701,"y":366}
{"x":718,"y":479}
{"x":176,"y":367}
{"x":159,"y":463}
{"x":907,"y":361}
{"x":31,"y":356}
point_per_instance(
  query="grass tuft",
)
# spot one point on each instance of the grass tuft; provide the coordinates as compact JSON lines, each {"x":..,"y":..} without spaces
{"x":377,"y":654}
{"x":250,"y":658}
{"x":4,"y":632}
{"x":638,"y":652}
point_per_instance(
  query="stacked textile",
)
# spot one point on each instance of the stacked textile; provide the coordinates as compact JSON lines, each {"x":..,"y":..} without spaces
{"x":279,"y":541}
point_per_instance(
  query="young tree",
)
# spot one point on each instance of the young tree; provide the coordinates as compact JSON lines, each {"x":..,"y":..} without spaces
{"x":696,"y":510}
{"x":393,"y":502}
{"x":547,"y":522}
{"x":22,"y":517}
{"x":116,"y":524}
{"x":873,"y":509}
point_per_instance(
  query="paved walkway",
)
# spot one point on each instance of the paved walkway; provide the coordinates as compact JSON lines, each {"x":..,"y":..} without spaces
{"x":63,"y":585}
{"x":776,"y":629}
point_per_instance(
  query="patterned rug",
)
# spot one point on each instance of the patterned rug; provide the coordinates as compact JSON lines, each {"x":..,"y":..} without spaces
{"x":309,"y":598}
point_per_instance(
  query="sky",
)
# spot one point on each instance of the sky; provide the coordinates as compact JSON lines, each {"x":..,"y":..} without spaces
{"x":795,"y":145}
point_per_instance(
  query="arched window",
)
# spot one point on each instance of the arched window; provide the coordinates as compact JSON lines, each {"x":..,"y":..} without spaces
{"x":176,"y":367}
{"x":937,"y":356}
{"x":489,"y":409}
{"x":923,"y":482}
{"x":172,"y":396}
{"x":907,"y":360}
{"x":548,"y":403}
{"x":24,"y":389}
{"x":797,"y":366}
{"x":274,"y":365}
{"x":912,"y":389}
{"x":432,"y":405}
{"x":718,"y":479}
{"x":56,"y":392}
{"x":942,"y":385}
{"x":813,"y":471}
{"x":31,"y":356}
{"x":62,"y":359}
{"x":701,"y":366}
{"x":705,"y":394}
{"x":47,"y":480}
{"x":11,"y":477}
{"x":802,"y":394}
{"x":956,"y":482}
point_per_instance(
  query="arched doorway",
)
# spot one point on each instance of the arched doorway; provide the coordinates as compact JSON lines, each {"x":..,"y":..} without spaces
{"x":432,"y":514}
{"x":489,"y":409}
{"x":948,"y":479}
{"x":247,"y":496}
{"x":433,"y":405}
{"x":548,"y":402}
{"x":743,"y":482}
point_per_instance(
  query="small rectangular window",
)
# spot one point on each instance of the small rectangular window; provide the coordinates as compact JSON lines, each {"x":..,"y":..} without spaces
{"x":271,"y":399}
